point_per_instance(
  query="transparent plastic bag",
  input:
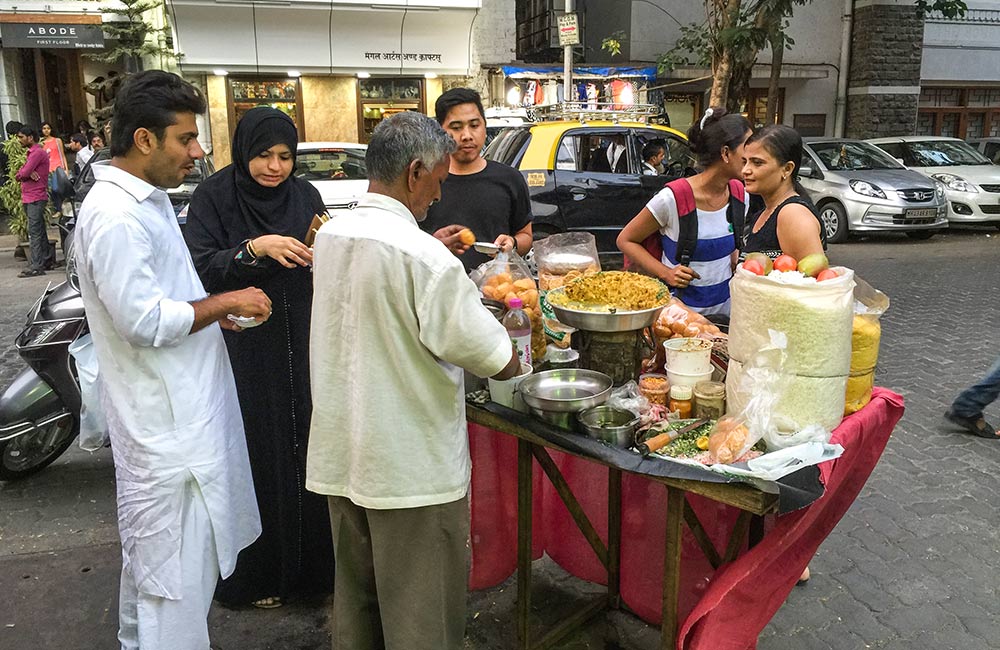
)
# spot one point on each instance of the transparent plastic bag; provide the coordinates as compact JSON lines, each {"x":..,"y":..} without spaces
{"x":562,"y":258}
{"x":869,"y":305}
{"x":505,"y":277}
{"x":629,"y":397}
{"x":93,"y":423}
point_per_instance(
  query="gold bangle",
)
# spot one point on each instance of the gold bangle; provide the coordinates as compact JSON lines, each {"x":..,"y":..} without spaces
{"x":250,"y":248}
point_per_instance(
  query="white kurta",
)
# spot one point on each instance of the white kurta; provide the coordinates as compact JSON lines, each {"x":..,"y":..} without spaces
{"x":170,"y":396}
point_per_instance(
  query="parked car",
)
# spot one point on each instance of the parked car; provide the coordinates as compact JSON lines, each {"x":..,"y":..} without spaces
{"x":972,"y":182}
{"x":499,"y":118}
{"x":180,"y":196}
{"x":859,"y":188}
{"x":576,"y":185}
{"x":989,"y":147}
{"x":336,"y":169}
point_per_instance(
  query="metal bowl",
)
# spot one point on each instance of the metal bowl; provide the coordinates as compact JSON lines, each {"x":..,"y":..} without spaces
{"x":566,"y":390}
{"x":610,"y":425}
{"x":606,"y":321}
{"x":495,"y":307}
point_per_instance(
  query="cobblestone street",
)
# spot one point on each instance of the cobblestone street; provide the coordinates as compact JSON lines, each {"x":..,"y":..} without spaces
{"x":912,"y":566}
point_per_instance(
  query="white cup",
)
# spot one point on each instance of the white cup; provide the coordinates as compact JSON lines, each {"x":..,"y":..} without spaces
{"x":504,"y":393}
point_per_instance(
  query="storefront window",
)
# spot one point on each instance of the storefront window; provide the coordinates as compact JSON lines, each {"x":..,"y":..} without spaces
{"x":282,"y":94}
{"x":381,"y":97}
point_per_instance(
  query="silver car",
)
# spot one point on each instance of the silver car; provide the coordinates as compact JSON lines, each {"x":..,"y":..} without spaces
{"x":859,"y":188}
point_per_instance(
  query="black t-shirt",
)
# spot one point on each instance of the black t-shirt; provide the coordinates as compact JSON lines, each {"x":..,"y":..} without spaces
{"x":491,"y":203}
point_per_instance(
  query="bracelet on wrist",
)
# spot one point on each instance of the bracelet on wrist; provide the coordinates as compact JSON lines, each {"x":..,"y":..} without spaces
{"x":251,"y":250}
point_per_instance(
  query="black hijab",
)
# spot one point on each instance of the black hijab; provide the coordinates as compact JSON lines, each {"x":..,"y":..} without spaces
{"x":283,"y":210}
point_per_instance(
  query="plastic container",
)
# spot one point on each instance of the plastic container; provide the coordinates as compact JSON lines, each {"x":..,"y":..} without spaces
{"x":688,"y":356}
{"x":655,"y":387}
{"x":504,"y":393}
{"x":709,"y":400}
{"x":557,"y":357}
{"x":687,"y":379}
{"x":680,"y":401}
{"x":518,"y":326}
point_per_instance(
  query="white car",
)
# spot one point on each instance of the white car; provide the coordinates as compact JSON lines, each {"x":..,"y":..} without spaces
{"x":336,"y":169}
{"x":972,"y":182}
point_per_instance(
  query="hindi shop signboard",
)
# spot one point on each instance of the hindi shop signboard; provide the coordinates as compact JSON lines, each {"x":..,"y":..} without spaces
{"x":569,"y":30}
{"x":52,"y":35}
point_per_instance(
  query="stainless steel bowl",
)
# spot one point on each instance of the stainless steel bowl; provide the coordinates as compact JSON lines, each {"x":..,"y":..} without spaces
{"x":606,"y":321}
{"x":609,"y":424}
{"x":566,"y":390}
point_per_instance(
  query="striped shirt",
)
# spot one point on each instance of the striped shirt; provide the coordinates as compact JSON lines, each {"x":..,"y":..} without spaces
{"x":708,"y":294}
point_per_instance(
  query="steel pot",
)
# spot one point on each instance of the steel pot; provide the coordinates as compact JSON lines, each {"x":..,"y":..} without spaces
{"x":609,"y":424}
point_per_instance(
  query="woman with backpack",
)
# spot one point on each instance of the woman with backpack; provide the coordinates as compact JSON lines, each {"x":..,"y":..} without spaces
{"x":684,"y":235}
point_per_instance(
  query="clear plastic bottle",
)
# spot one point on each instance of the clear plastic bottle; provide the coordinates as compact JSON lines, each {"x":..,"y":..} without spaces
{"x":518,"y":325}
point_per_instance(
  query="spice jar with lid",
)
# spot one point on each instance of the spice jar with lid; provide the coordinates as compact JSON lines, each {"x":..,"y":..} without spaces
{"x":680,"y":401}
{"x":709,"y":399}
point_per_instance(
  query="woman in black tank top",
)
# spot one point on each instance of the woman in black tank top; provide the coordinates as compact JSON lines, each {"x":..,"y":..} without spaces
{"x":789,"y":223}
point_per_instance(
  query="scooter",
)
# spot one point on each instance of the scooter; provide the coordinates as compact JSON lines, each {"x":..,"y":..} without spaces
{"x":40,"y":410}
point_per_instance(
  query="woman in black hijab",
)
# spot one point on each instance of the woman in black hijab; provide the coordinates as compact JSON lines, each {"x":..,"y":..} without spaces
{"x":245,"y":227}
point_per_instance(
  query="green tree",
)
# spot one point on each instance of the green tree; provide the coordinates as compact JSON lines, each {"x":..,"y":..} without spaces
{"x":10,"y":191}
{"x":735,"y":31}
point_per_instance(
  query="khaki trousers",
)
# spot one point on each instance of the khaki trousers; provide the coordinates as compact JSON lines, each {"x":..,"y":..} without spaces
{"x":401,"y":578}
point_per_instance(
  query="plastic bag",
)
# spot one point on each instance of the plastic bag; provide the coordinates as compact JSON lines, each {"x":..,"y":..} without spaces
{"x":677,"y":320}
{"x":93,"y":423}
{"x":752,"y":400}
{"x":869,"y":305}
{"x":562,"y":258}
{"x":505,"y":277}
{"x":816,"y":318}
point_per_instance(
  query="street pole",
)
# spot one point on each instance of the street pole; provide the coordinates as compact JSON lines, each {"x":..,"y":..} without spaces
{"x":568,"y":63}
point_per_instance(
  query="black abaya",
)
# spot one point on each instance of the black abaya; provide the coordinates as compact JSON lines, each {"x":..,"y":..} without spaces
{"x":294,"y":554}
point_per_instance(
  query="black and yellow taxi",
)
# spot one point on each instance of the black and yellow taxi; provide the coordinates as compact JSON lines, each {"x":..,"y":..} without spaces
{"x":586,"y":172}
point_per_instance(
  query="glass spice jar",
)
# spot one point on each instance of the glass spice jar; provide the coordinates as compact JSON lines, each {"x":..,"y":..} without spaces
{"x":654,"y":387}
{"x":709,"y":400}
{"x":680,"y":401}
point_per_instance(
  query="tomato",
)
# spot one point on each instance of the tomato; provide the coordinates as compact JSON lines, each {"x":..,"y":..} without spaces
{"x":785,"y":263}
{"x":827,"y":274}
{"x":754,"y":267}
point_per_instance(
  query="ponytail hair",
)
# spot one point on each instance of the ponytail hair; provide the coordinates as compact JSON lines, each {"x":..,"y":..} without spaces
{"x":716,"y":129}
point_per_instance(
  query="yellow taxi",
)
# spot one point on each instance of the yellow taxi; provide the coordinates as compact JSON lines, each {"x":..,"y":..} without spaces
{"x":588,"y":174}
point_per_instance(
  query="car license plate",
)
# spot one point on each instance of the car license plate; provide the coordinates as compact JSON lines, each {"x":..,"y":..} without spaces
{"x":921,"y":213}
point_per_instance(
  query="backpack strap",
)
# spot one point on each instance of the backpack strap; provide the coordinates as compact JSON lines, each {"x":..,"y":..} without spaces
{"x":687,"y":219}
{"x":736,"y":212}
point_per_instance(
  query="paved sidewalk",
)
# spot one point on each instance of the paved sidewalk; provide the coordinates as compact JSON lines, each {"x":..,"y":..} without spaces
{"x":913,"y":565}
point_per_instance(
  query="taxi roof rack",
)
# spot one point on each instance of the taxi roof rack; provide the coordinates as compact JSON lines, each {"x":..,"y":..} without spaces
{"x":585,"y":111}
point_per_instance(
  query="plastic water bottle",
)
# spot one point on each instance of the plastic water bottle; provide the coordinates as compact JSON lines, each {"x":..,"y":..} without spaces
{"x":518,"y":325}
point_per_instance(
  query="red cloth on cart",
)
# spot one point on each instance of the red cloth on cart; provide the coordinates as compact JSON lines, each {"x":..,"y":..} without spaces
{"x":744,"y":595}
{"x":729,"y":607}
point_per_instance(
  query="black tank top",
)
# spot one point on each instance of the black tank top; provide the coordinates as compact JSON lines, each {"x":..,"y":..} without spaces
{"x":765,"y":240}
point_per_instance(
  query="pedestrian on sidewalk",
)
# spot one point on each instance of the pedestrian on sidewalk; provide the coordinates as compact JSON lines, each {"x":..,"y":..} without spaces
{"x":967,"y":409}
{"x":34,"y":178}
{"x":186,"y":502}
{"x":393,"y":309}
{"x":80,"y":146}
{"x":489,"y":198}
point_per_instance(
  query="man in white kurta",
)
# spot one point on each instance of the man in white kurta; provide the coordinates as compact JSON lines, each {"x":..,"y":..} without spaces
{"x":395,"y":319}
{"x":186,"y":501}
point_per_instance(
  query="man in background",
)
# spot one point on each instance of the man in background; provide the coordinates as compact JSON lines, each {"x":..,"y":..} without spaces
{"x":34,"y":179}
{"x":489,"y":198}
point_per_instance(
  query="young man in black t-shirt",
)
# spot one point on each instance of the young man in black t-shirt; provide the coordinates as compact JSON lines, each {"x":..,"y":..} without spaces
{"x":487,"y":197}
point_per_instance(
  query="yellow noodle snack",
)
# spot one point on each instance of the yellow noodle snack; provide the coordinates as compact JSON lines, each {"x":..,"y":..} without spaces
{"x":611,"y":290}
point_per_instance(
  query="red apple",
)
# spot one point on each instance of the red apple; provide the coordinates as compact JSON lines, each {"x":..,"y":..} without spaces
{"x":753,"y":266}
{"x":827,"y":274}
{"x":785,"y":263}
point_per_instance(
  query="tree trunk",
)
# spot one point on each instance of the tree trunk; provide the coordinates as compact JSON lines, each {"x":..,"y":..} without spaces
{"x":728,"y":12}
{"x":773,"y":91}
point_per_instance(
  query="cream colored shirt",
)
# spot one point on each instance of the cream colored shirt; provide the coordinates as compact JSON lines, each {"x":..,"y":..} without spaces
{"x":394,"y":320}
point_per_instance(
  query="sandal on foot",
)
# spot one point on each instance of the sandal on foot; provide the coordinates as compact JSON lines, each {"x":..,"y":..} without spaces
{"x":976,"y":425}
{"x":268,"y":603}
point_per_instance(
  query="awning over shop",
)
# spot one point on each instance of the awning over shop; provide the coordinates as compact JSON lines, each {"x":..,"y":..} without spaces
{"x":325,"y":37}
{"x":553,"y":71}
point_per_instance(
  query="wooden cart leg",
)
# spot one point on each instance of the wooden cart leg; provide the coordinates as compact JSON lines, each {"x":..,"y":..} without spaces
{"x":524,"y":512}
{"x":672,"y":568}
{"x":614,"y":537}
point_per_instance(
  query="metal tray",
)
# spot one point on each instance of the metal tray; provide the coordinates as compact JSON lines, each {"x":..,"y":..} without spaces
{"x":566,"y":390}
{"x":609,"y":321}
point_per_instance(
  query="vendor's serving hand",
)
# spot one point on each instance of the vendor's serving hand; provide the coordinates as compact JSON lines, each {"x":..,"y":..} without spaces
{"x":680,"y":276}
{"x":506,"y":243}
{"x":287,"y":251}
{"x":250,"y":302}
{"x":449,"y":237}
